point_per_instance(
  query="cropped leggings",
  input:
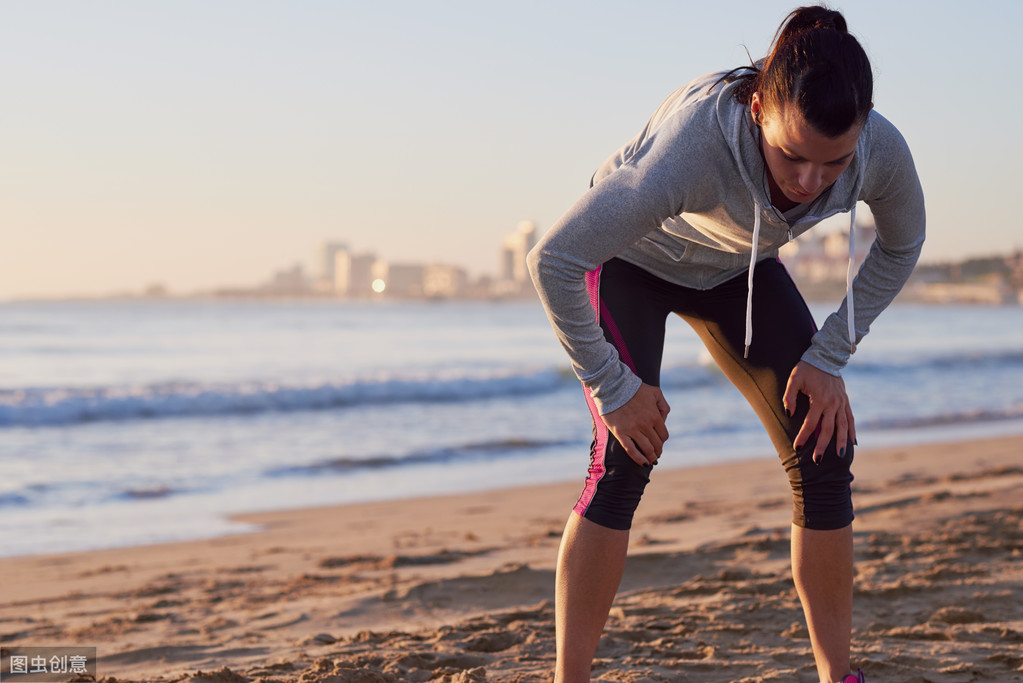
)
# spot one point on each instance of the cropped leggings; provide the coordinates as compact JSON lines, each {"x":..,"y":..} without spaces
{"x":632,"y":306}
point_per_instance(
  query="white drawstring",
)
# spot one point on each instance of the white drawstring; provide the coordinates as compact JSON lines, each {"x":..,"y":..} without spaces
{"x":752,"y":265}
{"x":849,"y":312}
{"x":849,"y":308}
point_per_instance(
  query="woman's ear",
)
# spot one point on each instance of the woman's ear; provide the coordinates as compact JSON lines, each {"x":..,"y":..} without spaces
{"x":756,"y":108}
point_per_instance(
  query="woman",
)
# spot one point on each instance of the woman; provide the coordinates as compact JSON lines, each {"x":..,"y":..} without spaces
{"x":687,"y":218}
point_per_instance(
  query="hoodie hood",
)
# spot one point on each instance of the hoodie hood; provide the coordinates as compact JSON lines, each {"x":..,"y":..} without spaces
{"x":743,"y":139}
{"x":741,"y":136}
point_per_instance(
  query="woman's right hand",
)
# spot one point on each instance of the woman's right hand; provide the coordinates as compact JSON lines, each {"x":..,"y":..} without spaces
{"x":639,"y":425}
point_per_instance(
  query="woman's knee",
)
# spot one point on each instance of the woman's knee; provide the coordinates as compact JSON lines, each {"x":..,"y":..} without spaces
{"x":611,"y":498}
{"x":821,"y":492}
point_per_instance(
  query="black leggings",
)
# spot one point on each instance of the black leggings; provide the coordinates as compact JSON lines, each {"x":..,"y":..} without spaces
{"x":632,"y":306}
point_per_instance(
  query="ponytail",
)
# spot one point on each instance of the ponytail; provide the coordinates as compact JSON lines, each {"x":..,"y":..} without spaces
{"x":816,"y":65}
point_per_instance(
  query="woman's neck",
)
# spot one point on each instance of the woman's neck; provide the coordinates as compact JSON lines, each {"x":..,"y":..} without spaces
{"x":778,"y":198}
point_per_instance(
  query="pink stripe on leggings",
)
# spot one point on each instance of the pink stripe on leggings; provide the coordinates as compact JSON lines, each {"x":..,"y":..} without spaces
{"x":600,"y":430}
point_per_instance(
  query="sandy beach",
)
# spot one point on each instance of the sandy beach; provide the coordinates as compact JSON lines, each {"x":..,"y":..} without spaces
{"x":460,"y":588}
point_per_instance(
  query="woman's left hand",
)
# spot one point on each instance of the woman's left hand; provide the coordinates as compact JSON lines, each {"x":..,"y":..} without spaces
{"x":829,"y":408}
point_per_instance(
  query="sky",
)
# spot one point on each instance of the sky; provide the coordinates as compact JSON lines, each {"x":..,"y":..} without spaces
{"x":208,"y":143}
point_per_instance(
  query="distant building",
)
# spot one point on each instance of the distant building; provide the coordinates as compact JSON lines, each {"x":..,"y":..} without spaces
{"x":513,"y":254}
{"x":353,"y":274}
{"x":288,"y":282}
{"x":984,"y":279}
{"x":513,"y":275}
{"x":326,"y":259}
{"x":403,"y":280}
{"x":1015,"y":265}
{"x":444,"y":282}
{"x":480,"y":288}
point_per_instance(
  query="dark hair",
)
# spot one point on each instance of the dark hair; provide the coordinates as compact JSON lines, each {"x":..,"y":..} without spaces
{"x":815,"y":64}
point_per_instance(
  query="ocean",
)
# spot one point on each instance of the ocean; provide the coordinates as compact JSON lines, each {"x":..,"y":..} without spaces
{"x":133,"y":422}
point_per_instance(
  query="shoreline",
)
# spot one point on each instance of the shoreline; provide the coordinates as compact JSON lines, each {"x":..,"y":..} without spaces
{"x":468,"y":579}
{"x":227,"y":521}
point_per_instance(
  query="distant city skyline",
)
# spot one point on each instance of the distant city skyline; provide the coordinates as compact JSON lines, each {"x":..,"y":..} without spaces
{"x":202,"y":145}
{"x":341,"y":270}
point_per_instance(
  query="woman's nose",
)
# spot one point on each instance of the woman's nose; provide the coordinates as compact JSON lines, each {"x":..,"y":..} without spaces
{"x":810,"y":179}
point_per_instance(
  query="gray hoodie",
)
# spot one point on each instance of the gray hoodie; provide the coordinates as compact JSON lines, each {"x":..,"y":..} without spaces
{"x":684,"y":199}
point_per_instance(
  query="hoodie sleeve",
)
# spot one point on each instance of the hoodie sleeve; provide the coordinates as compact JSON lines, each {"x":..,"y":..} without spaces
{"x":892,"y":191}
{"x":618,"y":210}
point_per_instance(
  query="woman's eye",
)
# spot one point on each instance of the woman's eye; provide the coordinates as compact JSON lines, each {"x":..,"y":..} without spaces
{"x":788,"y":158}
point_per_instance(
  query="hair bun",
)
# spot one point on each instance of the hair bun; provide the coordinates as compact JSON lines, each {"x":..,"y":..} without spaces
{"x":816,"y":65}
{"x":812,"y":17}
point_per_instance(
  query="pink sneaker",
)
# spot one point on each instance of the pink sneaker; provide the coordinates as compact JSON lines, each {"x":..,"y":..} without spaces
{"x":855,"y":678}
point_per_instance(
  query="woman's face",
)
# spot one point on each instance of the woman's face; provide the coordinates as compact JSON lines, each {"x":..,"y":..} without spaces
{"x":801,"y":163}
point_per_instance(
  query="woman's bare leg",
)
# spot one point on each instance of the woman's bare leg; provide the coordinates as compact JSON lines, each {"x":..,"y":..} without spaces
{"x":590,"y":566}
{"x":822,"y":566}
